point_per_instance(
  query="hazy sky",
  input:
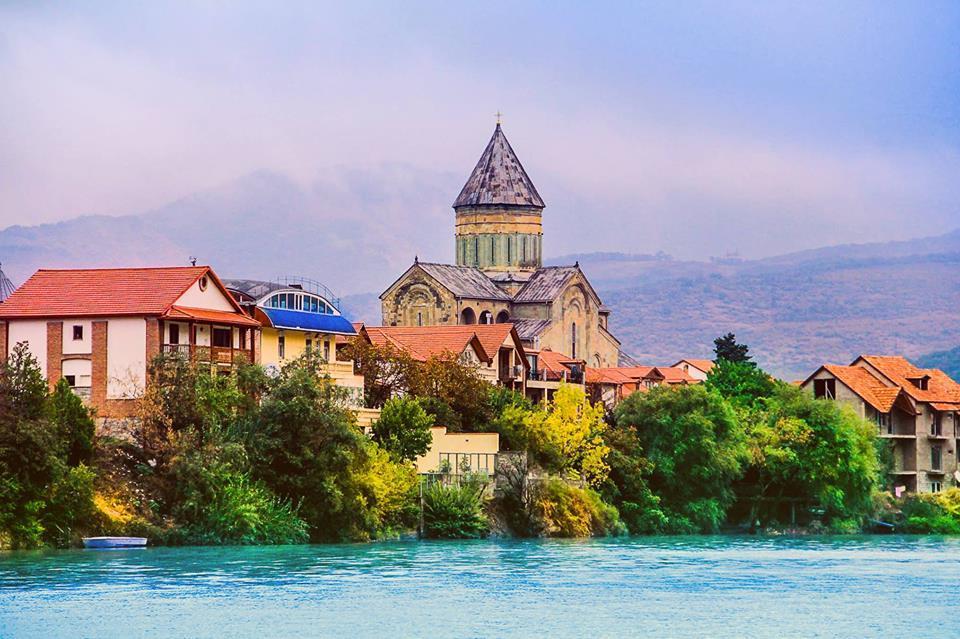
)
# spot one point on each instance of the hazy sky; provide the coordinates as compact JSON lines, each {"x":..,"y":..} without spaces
{"x":712,"y":127}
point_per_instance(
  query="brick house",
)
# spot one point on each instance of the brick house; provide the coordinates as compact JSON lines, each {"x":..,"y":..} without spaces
{"x":100,"y":328}
{"x":915,"y":409}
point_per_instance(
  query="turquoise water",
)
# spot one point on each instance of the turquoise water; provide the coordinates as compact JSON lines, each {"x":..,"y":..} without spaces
{"x":670,"y":587}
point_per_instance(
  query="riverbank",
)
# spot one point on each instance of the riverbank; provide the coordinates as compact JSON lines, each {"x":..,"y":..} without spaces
{"x":669,"y":586}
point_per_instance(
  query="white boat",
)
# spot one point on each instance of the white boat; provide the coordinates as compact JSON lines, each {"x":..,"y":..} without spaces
{"x":114,"y":542}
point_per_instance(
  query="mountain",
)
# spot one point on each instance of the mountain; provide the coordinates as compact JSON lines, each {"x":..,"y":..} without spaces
{"x":358,"y":229}
{"x":947,"y":361}
{"x":795,"y":311}
{"x":349,"y":228}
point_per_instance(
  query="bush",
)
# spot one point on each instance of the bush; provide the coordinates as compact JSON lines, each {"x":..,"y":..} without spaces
{"x":569,"y":511}
{"x":932,"y":513}
{"x":454,"y":511}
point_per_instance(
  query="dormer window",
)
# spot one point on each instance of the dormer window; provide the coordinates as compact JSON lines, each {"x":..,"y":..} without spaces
{"x":923,"y":383}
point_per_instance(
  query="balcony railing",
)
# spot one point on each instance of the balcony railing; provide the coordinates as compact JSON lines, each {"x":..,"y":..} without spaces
{"x":221,"y":355}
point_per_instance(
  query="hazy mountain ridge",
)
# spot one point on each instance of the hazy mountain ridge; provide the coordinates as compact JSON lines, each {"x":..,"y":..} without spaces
{"x":346,"y":229}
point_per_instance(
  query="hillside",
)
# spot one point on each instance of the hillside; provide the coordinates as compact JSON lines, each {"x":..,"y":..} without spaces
{"x":795,"y":311}
{"x":347,"y":229}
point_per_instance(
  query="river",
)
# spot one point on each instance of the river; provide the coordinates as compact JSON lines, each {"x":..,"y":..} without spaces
{"x":667,"y":587}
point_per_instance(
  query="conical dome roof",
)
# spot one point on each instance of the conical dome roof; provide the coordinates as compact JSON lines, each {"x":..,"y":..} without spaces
{"x":6,"y":286}
{"x":499,"y":179}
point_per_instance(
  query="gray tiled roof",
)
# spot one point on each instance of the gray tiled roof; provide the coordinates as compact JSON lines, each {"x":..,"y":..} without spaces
{"x":499,"y":179}
{"x":6,"y":286}
{"x":254,"y":288}
{"x":464,"y":281}
{"x":545,"y":284}
{"x":527,"y":329}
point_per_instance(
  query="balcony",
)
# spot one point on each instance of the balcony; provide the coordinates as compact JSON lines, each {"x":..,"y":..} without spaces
{"x":208,"y":355}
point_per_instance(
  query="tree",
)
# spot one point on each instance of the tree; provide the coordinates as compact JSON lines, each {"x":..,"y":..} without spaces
{"x":457,"y":384}
{"x":74,"y":423}
{"x":568,"y":436}
{"x":387,"y":371}
{"x":696,"y":447}
{"x":743,"y":384}
{"x":727,"y":348}
{"x":627,"y":487}
{"x":403,"y":429}
{"x":811,"y":451}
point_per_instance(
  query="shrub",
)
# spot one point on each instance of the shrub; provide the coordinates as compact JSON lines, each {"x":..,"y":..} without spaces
{"x":932,"y":513}
{"x":454,"y":511}
{"x":569,"y":511}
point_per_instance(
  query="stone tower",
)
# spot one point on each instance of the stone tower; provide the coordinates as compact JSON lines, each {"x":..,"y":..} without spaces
{"x":498,"y":227}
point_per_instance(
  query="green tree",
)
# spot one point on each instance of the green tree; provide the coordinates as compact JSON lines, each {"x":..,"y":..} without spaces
{"x":812,"y":452}
{"x":743,"y":384}
{"x":457,"y":384}
{"x":74,"y":423}
{"x":696,"y":447}
{"x":403,"y":429}
{"x":727,"y":348}
{"x":626,"y":486}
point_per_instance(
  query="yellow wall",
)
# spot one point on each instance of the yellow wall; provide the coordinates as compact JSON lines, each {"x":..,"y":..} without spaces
{"x":444,"y":442}
{"x":295,"y":343}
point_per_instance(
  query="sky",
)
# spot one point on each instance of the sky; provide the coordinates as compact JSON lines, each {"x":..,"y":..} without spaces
{"x":694,"y":128}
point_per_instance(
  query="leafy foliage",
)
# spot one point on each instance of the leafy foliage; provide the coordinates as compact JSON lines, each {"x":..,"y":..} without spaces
{"x":569,"y":511}
{"x":743,"y":384}
{"x":696,"y":447}
{"x":728,"y":349}
{"x":403,"y":429}
{"x":454,"y":511}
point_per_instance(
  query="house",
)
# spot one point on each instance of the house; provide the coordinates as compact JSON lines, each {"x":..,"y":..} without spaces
{"x":299,"y":315}
{"x":915,"y":410}
{"x":548,"y":369}
{"x":100,"y":328}
{"x":458,"y":453}
{"x":495,"y":349}
{"x":695,"y":368}
{"x":499,"y":276}
{"x":612,"y":385}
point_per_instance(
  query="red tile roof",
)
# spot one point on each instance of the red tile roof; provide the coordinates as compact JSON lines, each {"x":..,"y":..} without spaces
{"x":207,"y":315}
{"x":103,"y":292}
{"x":424,"y":342}
{"x":554,"y":364}
{"x":899,"y":370}
{"x":862,"y":382}
{"x":675,"y":375}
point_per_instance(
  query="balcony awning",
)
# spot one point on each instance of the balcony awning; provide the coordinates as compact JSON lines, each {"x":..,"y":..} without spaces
{"x":944,"y":407}
{"x":207,"y":315}
{"x":303,"y":321}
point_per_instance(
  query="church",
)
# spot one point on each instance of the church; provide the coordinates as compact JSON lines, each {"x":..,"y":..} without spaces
{"x":499,"y":275}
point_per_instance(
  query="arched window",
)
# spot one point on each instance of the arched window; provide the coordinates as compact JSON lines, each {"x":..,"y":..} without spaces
{"x":509,"y":250}
{"x":573,"y":340}
{"x":523,"y":249}
{"x":468,"y":316}
{"x":503,"y":317}
{"x":486,"y":317}
{"x":419,"y":318}
{"x":476,"y":251}
{"x":493,"y":249}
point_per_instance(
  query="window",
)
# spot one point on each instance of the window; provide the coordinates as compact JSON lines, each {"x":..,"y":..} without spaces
{"x":573,"y":340}
{"x":71,"y":380}
{"x":419,"y":318}
{"x":222,"y":337}
{"x":523,"y":249}
{"x":174,"y":333}
{"x":309,"y":344}
{"x":936,"y":486}
{"x":884,"y":422}
{"x":281,"y":347}
{"x":326,"y":350}
{"x":509,"y":250}
{"x":825,"y":388}
{"x":243,"y":338}
{"x":493,"y":249}
{"x":77,"y":332}
{"x":203,"y":283}
{"x":936,"y":458}
{"x":476,"y":251}
{"x":936,"y":429}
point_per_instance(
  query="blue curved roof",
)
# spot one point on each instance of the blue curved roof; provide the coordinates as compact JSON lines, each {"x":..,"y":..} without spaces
{"x":317,"y":322}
